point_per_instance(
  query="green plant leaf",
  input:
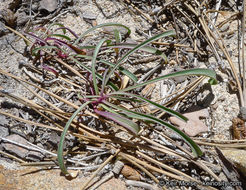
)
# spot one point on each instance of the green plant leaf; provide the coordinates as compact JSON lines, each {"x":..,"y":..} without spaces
{"x":123,"y":121}
{"x":120,"y":61}
{"x":203,"y":72}
{"x":117,"y":36}
{"x":121,"y":69}
{"x":163,"y":108}
{"x":41,"y":48}
{"x":195,"y":148}
{"x":54,"y":24}
{"x":94,"y":59}
{"x":148,"y":49}
{"x":100,"y":77}
{"x":212,"y":81}
{"x":100,"y":26}
{"x":61,"y":36}
{"x":62,"y":139}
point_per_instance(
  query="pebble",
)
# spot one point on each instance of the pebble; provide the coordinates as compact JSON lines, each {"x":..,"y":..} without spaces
{"x":20,"y":151}
{"x":89,"y":15}
{"x":3,"y":30}
{"x":3,"y":120}
{"x":118,"y":167}
{"x":225,"y":27}
{"x":238,"y":158}
{"x":4,"y":131}
{"x":243,"y":112}
{"x":9,"y":17}
{"x":2,"y":179}
{"x":49,"y":5}
{"x":14,"y":4}
{"x":22,"y":18}
{"x":130,"y":173}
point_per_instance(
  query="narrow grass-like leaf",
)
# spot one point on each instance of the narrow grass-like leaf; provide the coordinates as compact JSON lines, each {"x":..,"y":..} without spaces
{"x":94,"y":59}
{"x":121,"y":69}
{"x":146,"y":117}
{"x":127,"y":99}
{"x":66,"y":28}
{"x":54,"y":24}
{"x":127,"y":123}
{"x":35,"y":50}
{"x":61,"y":36}
{"x":117,"y":36}
{"x":112,"y":85}
{"x":38,"y":39}
{"x":212,"y":81}
{"x":100,"y":26}
{"x":103,"y":82}
{"x":117,"y":40}
{"x":62,"y":139}
{"x":148,"y":49}
{"x":203,"y":72}
{"x":164,"y":34}
{"x":163,"y":108}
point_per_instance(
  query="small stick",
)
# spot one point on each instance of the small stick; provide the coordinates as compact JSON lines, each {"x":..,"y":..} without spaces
{"x":116,"y":170}
{"x":171,"y":169}
{"x":139,"y":184}
{"x":242,"y":44}
{"x":134,"y":161}
{"x":221,"y":140}
{"x":235,"y":145}
{"x":11,"y":156}
{"x":29,"y":122}
{"x":99,"y":169}
{"x":217,"y":7}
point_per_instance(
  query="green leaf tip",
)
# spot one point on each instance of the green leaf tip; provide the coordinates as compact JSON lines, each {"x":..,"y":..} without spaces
{"x":212,"y":81}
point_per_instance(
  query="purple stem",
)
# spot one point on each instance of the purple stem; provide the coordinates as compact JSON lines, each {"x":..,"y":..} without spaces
{"x":43,"y":42}
{"x":60,"y":42}
{"x":72,"y":32}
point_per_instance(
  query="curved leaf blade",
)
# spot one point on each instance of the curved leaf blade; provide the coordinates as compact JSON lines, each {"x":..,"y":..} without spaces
{"x":121,"y":69}
{"x":164,"y":34}
{"x":42,"y":48}
{"x":148,"y":49}
{"x":94,"y":59}
{"x":100,"y":77}
{"x":123,"y":121}
{"x":203,"y":72}
{"x":100,"y":26}
{"x":62,"y":139}
{"x":163,"y":108}
{"x":195,"y":148}
{"x":61,"y":36}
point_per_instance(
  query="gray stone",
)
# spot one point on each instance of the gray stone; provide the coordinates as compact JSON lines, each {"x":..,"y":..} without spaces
{"x":4,"y":131}
{"x":238,"y":158}
{"x":89,"y":15}
{"x":14,"y":4}
{"x":49,"y":5}
{"x":243,"y":112}
{"x":3,"y":120}
{"x":225,"y":27}
{"x":3,"y":30}
{"x":14,"y":149}
{"x":8,"y":17}
{"x":22,"y":18}
{"x":19,"y":151}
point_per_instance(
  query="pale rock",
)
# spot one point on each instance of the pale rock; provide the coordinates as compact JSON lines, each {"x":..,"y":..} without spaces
{"x":194,"y":125}
{"x":238,"y":158}
{"x":49,"y":5}
{"x":20,"y":151}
